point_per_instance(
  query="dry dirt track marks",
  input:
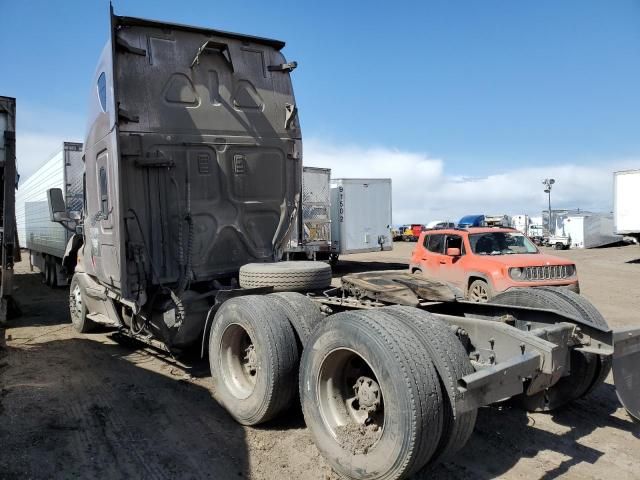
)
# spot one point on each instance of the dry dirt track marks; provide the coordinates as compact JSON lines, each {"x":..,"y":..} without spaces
{"x":92,"y":406}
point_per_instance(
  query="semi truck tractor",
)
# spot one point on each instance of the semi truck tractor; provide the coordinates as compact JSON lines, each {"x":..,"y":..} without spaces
{"x":44,"y":240}
{"x":193,"y":169}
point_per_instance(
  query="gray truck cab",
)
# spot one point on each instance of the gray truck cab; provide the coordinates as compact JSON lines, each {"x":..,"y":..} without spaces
{"x":192,"y":168}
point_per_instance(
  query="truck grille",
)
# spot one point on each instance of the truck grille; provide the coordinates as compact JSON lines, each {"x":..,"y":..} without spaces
{"x":548,"y":272}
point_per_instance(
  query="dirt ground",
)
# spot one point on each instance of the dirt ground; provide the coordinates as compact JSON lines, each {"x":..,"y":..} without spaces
{"x":100,"y":406}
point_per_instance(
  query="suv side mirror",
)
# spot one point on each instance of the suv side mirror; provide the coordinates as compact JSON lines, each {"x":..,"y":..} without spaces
{"x":57,"y":207}
{"x":453,"y":252}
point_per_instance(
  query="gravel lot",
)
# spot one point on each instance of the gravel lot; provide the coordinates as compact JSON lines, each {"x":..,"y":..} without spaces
{"x":99,"y":406}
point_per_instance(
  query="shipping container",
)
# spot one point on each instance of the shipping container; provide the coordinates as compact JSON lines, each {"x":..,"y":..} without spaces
{"x":590,"y":230}
{"x":311,"y":232}
{"x":45,"y":240}
{"x":361,"y":215}
{"x":626,"y":202}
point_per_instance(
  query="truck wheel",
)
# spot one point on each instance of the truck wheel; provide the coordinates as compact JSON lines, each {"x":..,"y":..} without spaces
{"x":479,"y":291}
{"x":559,"y":246}
{"x":593,"y":316}
{"x":303,"y":313}
{"x":370,"y":396}
{"x":253,"y":358}
{"x":286,"y":276}
{"x":584,"y":366}
{"x":452,"y":363}
{"x":78,"y":308}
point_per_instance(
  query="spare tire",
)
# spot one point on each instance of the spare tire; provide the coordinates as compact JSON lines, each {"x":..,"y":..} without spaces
{"x":286,"y":276}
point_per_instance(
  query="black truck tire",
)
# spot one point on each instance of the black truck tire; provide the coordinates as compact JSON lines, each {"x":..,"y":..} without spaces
{"x":452,"y":363}
{"x":584,"y":366}
{"x":286,"y":276}
{"x":253,"y":358}
{"x":302,"y":312}
{"x":595,"y":318}
{"x":370,"y":396}
{"x":78,"y":308}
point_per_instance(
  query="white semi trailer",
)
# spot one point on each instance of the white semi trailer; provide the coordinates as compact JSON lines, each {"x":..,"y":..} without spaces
{"x":361,"y":215}
{"x":45,"y":240}
{"x":626,"y":203}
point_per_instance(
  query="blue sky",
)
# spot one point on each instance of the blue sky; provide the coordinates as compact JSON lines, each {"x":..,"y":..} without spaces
{"x":476,"y":89}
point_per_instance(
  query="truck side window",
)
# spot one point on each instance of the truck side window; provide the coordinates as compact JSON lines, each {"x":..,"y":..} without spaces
{"x":104,"y":193}
{"x":102,"y":91}
{"x":435,"y":243}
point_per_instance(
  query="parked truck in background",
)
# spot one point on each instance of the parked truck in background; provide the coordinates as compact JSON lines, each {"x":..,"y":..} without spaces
{"x":45,"y":240}
{"x":626,"y":203}
{"x":193,"y":167}
{"x":9,"y":248}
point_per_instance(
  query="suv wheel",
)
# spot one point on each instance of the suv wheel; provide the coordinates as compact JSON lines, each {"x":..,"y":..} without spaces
{"x":479,"y":291}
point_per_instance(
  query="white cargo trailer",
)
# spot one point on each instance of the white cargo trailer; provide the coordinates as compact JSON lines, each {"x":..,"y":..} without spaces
{"x":590,"y":230}
{"x":626,"y":203}
{"x":46,"y":240}
{"x":361,"y":215}
{"x":521,"y":223}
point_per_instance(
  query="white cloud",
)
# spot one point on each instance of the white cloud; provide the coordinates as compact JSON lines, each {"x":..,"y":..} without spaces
{"x":424,"y":191}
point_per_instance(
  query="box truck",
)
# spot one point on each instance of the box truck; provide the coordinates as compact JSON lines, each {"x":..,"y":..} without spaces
{"x":186,"y":216}
{"x":626,"y":203}
{"x":361,"y":215}
{"x":311,"y":230}
{"x":45,"y":240}
{"x":9,"y":249}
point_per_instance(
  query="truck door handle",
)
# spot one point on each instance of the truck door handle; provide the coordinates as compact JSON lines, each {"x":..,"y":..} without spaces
{"x":443,"y":262}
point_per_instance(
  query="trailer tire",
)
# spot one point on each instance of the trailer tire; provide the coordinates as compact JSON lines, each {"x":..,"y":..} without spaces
{"x":286,"y":276}
{"x":370,"y":395}
{"x":452,"y":363}
{"x":78,"y":308}
{"x":303,"y":314}
{"x":591,"y":314}
{"x":584,"y":366}
{"x":253,"y":358}
{"x":52,"y":276}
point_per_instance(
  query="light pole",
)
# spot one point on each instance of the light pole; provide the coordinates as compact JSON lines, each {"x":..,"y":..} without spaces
{"x":547,"y":182}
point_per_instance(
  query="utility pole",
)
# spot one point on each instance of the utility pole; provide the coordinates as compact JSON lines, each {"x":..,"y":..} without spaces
{"x":548,"y":182}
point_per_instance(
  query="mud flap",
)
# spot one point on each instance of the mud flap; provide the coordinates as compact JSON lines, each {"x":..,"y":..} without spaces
{"x":626,"y":368}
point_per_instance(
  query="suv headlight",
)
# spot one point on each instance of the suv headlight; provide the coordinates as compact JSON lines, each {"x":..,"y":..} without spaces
{"x":571,"y":270}
{"x":517,"y":274}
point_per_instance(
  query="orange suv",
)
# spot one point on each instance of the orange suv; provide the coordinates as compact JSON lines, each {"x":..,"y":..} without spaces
{"x":486,"y":261}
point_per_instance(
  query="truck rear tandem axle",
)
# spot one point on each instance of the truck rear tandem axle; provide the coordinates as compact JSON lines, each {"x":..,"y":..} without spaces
{"x":388,"y":357}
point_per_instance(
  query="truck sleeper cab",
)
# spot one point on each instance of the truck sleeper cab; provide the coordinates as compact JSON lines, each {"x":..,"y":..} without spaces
{"x":192,"y":163}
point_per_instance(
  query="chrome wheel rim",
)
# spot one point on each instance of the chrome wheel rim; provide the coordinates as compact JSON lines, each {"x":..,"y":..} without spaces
{"x":350,"y":398}
{"x":75,"y":304}
{"x":239,"y":361}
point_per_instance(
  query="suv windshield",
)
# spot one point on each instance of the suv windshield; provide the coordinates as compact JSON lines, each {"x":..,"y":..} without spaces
{"x":500,"y":243}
